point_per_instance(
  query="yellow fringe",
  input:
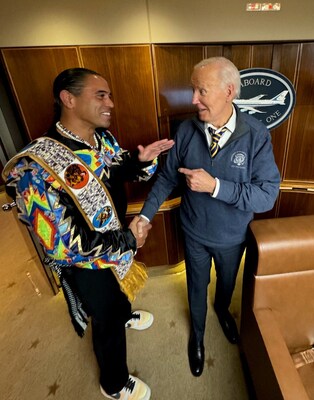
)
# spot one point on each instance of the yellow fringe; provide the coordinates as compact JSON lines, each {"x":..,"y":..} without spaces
{"x":134,"y":280}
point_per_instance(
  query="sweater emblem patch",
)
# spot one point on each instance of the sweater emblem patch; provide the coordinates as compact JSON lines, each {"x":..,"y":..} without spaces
{"x":239,"y":159}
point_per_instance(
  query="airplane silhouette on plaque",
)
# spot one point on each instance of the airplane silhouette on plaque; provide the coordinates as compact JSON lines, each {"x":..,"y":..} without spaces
{"x":253,"y":104}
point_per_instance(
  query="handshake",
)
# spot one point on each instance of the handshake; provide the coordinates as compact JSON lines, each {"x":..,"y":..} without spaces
{"x":140,"y":227}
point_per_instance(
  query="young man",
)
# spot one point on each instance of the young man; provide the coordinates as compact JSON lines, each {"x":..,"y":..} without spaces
{"x":68,"y":187}
{"x":229,"y":171}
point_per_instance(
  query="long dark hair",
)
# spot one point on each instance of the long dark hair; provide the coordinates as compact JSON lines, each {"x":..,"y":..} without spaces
{"x":72,"y":80}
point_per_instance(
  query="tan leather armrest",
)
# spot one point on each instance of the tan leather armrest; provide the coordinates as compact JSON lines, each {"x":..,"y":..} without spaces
{"x":284,"y":244}
{"x":287,"y":376}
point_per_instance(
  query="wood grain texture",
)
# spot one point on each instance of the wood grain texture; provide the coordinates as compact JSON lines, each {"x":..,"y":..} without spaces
{"x":31,"y":73}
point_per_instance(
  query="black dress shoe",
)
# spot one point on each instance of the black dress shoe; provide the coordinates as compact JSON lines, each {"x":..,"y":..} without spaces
{"x":228,"y":325}
{"x":196,"y":355}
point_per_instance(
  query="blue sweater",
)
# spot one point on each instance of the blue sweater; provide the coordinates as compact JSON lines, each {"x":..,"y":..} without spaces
{"x":249,"y":181}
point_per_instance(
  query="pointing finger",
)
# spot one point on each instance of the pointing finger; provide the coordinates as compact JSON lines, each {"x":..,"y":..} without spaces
{"x":185,"y":171}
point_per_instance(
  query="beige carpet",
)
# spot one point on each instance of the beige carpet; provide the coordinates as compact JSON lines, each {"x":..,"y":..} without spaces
{"x":43,"y":358}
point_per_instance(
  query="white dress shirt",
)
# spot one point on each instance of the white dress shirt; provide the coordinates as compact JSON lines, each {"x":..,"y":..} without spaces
{"x":230,"y":125}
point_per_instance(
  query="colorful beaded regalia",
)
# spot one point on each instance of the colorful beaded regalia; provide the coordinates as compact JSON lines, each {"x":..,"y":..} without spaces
{"x":43,"y":170}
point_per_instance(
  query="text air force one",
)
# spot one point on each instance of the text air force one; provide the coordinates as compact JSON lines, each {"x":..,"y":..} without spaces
{"x":251,"y":105}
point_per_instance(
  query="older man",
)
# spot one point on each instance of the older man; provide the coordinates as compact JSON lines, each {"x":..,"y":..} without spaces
{"x":229,"y":171}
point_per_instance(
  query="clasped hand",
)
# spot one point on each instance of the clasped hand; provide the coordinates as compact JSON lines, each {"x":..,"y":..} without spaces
{"x":140,"y":227}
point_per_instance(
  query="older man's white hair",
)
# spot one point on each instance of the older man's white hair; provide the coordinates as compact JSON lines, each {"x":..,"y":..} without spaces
{"x":229,"y":73}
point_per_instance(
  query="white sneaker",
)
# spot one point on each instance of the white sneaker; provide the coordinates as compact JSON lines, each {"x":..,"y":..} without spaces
{"x":135,"y":389}
{"x":140,"y":320}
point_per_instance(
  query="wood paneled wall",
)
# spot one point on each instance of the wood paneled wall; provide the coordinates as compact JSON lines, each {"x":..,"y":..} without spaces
{"x":293,"y":140}
{"x":128,"y":70}
{"x":300,"y":160}
{"x":31,"y":72}
{"x":152,"y":94}
{"x":130,"y":76}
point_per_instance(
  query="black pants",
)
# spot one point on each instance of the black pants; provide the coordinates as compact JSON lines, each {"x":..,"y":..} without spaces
{"x":198,"y":259}
{"x":109,"y":310}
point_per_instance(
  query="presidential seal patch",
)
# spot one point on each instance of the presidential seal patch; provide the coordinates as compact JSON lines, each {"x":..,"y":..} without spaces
{"x":239,"y":159}
{"x":267,"y":95}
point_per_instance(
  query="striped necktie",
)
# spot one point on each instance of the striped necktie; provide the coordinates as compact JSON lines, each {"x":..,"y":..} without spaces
{"x":214,"y":148}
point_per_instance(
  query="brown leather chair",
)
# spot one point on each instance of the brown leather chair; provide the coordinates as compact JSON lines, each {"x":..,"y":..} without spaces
{"x":277,"y":317}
